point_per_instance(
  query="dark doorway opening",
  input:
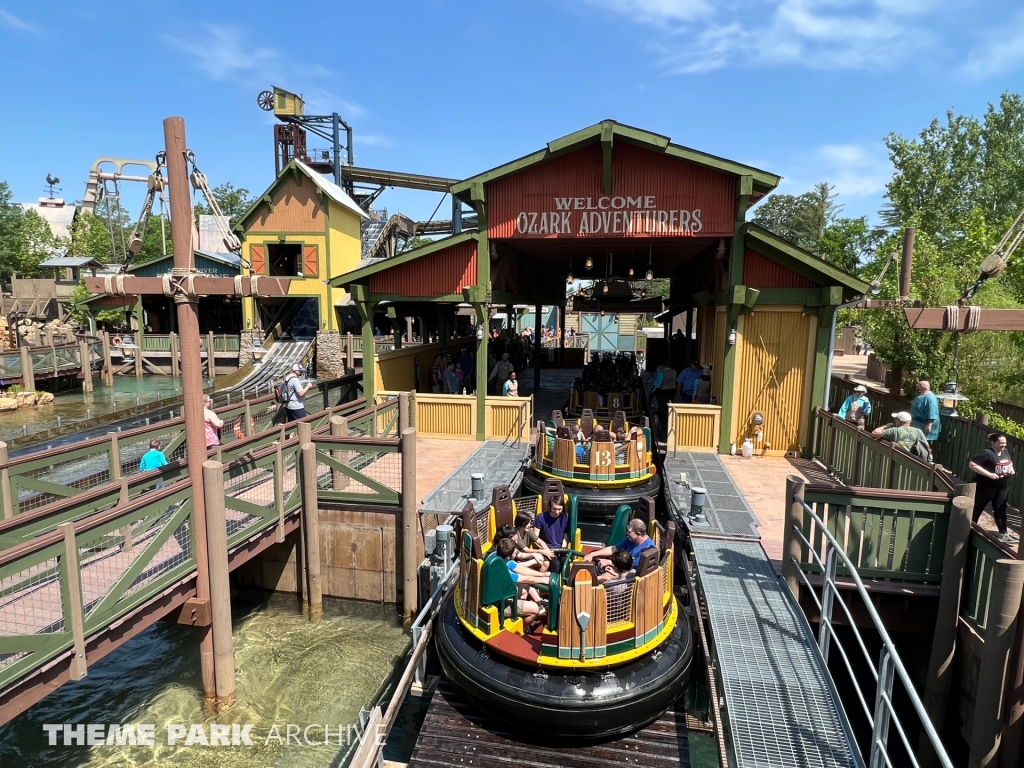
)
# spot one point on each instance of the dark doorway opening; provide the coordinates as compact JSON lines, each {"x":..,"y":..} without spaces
{"x":284,"y":259}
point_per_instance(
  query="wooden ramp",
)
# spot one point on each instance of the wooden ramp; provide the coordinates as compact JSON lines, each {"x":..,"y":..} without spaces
{"x":455,"y":733}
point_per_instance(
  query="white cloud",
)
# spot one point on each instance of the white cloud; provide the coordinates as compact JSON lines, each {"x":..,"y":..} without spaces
{"x":858,"y":171}
{"x":373,"y":140}
{"x":224,"y":54}
{"x":818,"y":34}
{"x":1000,"y":50}
{"x":10,"y":20}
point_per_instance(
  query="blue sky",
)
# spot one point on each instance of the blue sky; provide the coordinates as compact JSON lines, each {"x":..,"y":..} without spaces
{"x":803,"y":88}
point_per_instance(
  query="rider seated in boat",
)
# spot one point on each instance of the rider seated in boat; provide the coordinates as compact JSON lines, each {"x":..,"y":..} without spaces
{"x":636,"y":541}
{"x":618,"y":567}
{"x":530,"y":549}
{"x":553,"y":525}
{"x":528,"y":604}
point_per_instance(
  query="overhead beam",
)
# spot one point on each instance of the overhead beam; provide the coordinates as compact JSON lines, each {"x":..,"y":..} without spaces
{"x":990,"y":320}
{"x":397,"y":179}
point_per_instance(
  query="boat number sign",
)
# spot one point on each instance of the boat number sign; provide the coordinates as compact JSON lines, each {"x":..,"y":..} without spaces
{"x":608,"y":216}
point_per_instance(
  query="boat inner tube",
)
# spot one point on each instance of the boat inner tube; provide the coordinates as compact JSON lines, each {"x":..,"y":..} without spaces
{"x":596,"y":504}
{"x":570,"y":707}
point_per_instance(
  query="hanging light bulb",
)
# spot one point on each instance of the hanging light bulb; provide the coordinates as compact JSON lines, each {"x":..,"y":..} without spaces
{"x":630,"y":271}
{"x":602,"y":313}
{"x":650,"y":274}
{"x":605,"y":288}
{"x":643,"y":294}
{"x":589,"y":264}
{"x":568,"y":278}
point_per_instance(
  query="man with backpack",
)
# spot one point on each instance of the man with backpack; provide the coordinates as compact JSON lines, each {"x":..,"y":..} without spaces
{"x":292,"y":394}
{"x":911,"y":439}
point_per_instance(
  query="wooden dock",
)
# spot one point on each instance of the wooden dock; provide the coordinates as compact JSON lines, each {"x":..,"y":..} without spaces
{"x":455,"y":733}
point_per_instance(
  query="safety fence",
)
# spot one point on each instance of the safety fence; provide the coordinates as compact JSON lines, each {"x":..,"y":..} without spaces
{"x":455,"y":416}
{"x":831,"y":558}
{"x":857,"y":458}
{"x":982,"y":554}
{"x":959,"y":438}
{"x":161,"y":342}
{"x":886,"y":534}
{"x":46,"y":362}
{"x":78,"y":574}
{"x":693,"y":427}
{"x":40,"y":479}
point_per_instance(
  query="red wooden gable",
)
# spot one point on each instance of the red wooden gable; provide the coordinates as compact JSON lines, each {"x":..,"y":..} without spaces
{"x":761,"y":272}
{"x":443,"y":272}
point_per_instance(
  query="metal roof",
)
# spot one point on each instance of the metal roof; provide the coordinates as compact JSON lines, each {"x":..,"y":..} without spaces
{"x":336,"y":193}
{"x":72,"y":261}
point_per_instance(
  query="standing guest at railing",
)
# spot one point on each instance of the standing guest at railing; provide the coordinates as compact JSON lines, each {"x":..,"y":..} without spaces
{"x":437,"y":375}
{"x":213,"y":423}
{"x":153,"y":458}
{"x":451,"y":381}
{"x":925,"y":411}
{"x":703,"y":392}
{"x":856,"y":408}
{"x":466,"y":362}
{"x":295,"y":408}
{"x":686,"y":383}
{"x":511,"y":386}
{"x":993,"y":467}
{"x":910,"y":438}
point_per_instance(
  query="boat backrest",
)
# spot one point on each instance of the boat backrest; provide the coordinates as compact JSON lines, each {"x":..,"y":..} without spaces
{"x":496,"y":585}
{"x":619,"y":422}
{"x":554,"y":597}
{"x":645,"y":507}
{"x":618,"y":530}
{"x":587,"y":423}
{"x":591,"y":401}
{"x":552,"y":490}
{"x":563,"y":433}
{"x":582,"y":565}
{"x":648,"y":561}
{"x":469,"y":517}
{"x":556,"y":416}
{"x":471,"y":543}
{"x":669,"y":537}
{"x":616,"y":401}
{"x":501,"y":501}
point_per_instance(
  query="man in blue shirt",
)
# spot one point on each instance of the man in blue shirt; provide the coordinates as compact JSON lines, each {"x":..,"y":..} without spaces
{"x":552,"y":525}
{"x":924,"y":411}
{"x":686,"y":383}
{"x":636,"y":541}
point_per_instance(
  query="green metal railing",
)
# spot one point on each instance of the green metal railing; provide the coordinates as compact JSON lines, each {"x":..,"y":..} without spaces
{"x":977,"y":589}
{"x":887,"y":534}
{"x":71,"y":573}
{"x":856,"y":458}
{"x":47,"y":361}
{"x":161,"y":342}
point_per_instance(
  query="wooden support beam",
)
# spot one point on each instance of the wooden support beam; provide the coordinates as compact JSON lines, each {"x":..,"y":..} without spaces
{"x":76,"y":607}
{"x":410,"y":532}
{"x":937,"y":318}
{"x":220,"y":586}
{"x":204,"y":286}
{"x":311,"y":529}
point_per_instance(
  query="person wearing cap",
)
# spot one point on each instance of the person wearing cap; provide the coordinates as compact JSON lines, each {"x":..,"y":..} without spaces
{"x":686,"y":382}
{"x":702,"y":394}
{"x":295,"y":408}
{"x":856,"y":407}
{"x":911,"y":439}
{"x":501,"y":372}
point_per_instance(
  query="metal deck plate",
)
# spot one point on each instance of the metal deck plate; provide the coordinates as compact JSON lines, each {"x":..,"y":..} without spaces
{"x":779,"y":706}
{"x":727,"y":511}
{"x":499,"y":463}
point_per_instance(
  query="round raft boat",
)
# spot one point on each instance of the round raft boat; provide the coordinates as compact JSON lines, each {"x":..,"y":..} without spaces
{"x":607,"y":660}
{"x":609,"y":467}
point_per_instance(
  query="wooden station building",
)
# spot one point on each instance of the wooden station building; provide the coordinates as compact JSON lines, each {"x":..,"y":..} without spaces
{"x":628,"y":199}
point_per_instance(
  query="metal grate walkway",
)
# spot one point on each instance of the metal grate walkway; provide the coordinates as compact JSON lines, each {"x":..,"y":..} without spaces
{"x":780,"y":708}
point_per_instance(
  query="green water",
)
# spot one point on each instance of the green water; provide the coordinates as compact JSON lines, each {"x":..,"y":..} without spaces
{"x":289,"y":671}
{"x":73,"y":406}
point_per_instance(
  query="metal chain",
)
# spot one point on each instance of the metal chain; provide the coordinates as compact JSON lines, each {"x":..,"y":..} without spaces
{"x":199,"y":182}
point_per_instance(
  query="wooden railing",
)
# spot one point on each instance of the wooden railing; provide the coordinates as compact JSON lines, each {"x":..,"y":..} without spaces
{"x":693,"y":427}
{"x":161,"y":342}
{"x":454,"y":416}
{"x":887,"y":534}
{"x":856,"y":458}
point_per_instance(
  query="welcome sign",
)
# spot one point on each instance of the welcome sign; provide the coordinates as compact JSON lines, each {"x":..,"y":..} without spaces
{"x":620,"y":215}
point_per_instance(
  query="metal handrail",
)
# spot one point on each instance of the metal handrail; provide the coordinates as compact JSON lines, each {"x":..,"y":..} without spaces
{"x":889,"y":663}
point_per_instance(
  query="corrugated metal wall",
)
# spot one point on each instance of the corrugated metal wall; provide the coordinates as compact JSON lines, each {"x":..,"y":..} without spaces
{"x":296,"y":209}
{"x":447,"y":271}
{"x":627,"y":325}
{"x":761,"y":272}
{"x":674,"y":185}
{"x":773,"y":343}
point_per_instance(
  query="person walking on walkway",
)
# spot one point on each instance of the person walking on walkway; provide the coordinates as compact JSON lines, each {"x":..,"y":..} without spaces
{"x":686,"y":383}
{"x":295,"y":408}
{"x":511,"y":387}
{"x":993,"y":468}
{"x":502,"y":369}
{"x":924,"y":411}
{"x":856,"y":407}
{"x":213,"y":423}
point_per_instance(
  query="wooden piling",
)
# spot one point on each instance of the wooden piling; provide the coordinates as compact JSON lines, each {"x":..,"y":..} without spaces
{"x":1004,"y":604}
{"x":412,"y":410}
{"x":410,"y":512}
{"x":115,"y":457}
{"x":6,"y":497}
{"x":175,"y":364}
{"x":403,"y":412}
{"x":339,"y":428}
{"x":791,"y":544}
{"x":108,"y":366}
{"x":249,"y":429}
{"x":84,"y":356}
{"x":350,"y":354}
{"x":279,"y":490}
{"x":220,"y":586}
{"x":940,"y":664}
{"x":211,"y":358}
{"x":139,"y":341}
{"x":311,"y":529}
{"x":28,"y":379}
{"x":1013,"y":710}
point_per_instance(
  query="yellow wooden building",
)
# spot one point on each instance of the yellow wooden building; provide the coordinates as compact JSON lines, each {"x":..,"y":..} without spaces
{"x":308,"y":229}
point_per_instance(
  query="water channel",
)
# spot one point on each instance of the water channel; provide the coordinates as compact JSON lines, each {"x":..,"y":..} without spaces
{"x":289,"y":671}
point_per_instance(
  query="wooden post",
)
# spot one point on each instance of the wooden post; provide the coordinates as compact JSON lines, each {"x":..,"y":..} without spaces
{"x":940,"y":664}
{"x":412,"y":409}
{"x":339,"y":428}
{"x":410,"y":510}
{"x":28,"y":379}
{"x":76,"y":610}
{"x":84,"y":355}
{"x":248,"y":420}
{"x":350,"y":354}
{"x":1013,"y":718}
{"x":108,"y":366}
{"x":1004,"y":603}
{"x":6,"y":497}
{"x":115,"y":457}
{"x":279,"y":490}
{"x":211,"y":358}
{"x":139,"y":341}
{"x":311,"y":529}
{"x":403,"y":412}
{"x":304,"y":430}
{"x":220,"y":587}
{"x":792,"y":547}
{"x":173,"y":339}
{"x":126,"y":532}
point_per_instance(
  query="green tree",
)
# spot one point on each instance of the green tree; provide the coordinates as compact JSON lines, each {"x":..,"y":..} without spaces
{"x":848,"y":242}
{"x":79,"y":313}
{"x":10,"y":233}
{"x":233,"y":201}
{"x":91,"y":237}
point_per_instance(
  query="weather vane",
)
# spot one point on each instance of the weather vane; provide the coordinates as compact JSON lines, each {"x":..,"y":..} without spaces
{"x":52,"y":182}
